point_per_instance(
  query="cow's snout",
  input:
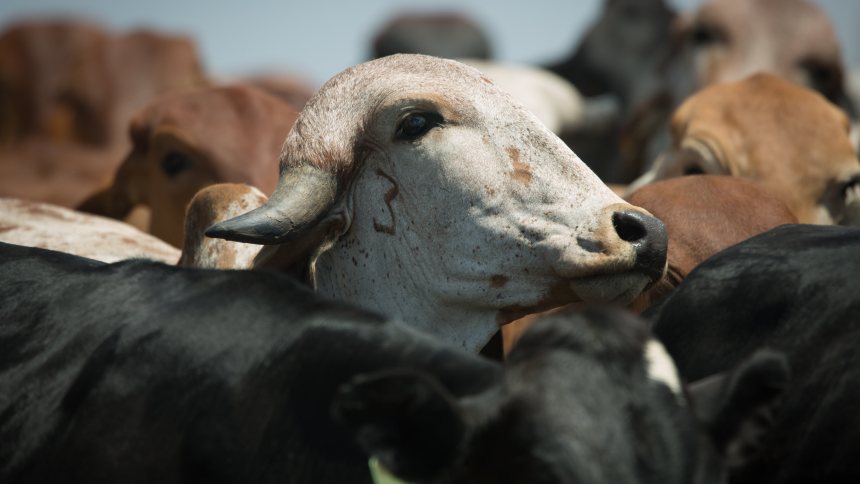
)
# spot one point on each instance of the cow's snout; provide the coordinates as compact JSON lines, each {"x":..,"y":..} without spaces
{"x":647,"y":235}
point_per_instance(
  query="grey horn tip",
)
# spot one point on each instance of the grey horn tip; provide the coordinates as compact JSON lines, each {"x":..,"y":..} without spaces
{"x":249,"y":228}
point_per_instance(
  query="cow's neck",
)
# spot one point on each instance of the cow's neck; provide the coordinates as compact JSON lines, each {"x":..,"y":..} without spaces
{"x":394,"y":275}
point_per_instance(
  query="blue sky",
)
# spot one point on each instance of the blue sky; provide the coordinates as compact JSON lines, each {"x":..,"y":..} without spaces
{"x":319,"y":38}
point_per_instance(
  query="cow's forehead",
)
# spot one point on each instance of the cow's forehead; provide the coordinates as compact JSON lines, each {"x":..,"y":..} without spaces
{"x":788,"y":20}
{"x":360,"y":90}
{"x":336,"y":117}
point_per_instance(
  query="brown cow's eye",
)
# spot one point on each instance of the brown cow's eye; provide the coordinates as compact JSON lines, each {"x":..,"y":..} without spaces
{"x":175,"y":163}
{"x":694,"y":170}
{"x":822,"y":77}
{"x":704,"y":35}
{"x":417,"y":125}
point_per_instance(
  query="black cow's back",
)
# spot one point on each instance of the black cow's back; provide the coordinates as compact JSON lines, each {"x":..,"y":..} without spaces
{"x":139,"y":371}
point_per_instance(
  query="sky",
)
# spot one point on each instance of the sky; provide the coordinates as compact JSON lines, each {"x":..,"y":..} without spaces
{"x":316,"y":39}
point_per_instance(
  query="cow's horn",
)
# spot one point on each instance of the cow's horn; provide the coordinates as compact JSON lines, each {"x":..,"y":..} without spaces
{"x":303,"y":197}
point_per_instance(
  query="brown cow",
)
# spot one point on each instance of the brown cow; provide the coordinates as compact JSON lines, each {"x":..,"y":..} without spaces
{"x":53,"y":82}
{"x":290,"y":88}
{"x":703,"y":214}
{"x":74,"y":81}
{"x":786,"y":137}
{"x":58,"y":172}
{"x":185,"y":142}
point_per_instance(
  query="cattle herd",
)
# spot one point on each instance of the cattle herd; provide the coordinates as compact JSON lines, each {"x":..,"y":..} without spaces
{"x":636,"y":264}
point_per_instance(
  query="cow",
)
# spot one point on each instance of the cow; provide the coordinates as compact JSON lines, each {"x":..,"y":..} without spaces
{"x":449,"y":35}
{"x":418,"y":175}
{"x":209,"y":206}
{"x":555,"y":102}
{"x":792,"y":289}
{"x":143,"y":371}
{"x":58,"y":228}
{"x":727,"y":41}
{"x":63,"y":173}
{"x":790,"y":140}
{"x":618,"y":65}
{"x":703,"y":214}
{"x":290,"y":88}
{"x":67,"y":92}
{"x":622,"y":52}
{"x":184,"y":142}
{"x":75,"y":81}
{"x":52,"y":82}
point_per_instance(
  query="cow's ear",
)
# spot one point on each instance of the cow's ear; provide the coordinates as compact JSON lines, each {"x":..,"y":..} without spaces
{"x":737,"y":406}
{"x":405,"y":419}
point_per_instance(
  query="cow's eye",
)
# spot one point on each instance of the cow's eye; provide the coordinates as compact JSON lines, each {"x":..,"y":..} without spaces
{"x":821,"y":75}
{"x":175,"y":163}
{"x":705,"y":35}
{"x":694,"y":170}
{"x":417,"y":125}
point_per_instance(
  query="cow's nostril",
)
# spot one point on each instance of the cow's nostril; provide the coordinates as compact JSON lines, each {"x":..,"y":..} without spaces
{"x":648,"y":237}
{"x":629,"y":227}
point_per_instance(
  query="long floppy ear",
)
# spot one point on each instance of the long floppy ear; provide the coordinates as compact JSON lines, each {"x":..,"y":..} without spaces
{"x":737,"y":406}
{"x":405,"y":419}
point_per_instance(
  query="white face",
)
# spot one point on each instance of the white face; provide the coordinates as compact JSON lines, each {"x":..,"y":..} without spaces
{"x":484,"y":207}
{"x":456,"y":209}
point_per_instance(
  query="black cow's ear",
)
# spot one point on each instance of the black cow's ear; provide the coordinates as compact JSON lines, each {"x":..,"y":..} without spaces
{"x":737,"y":407}
{"x":404,"y":418}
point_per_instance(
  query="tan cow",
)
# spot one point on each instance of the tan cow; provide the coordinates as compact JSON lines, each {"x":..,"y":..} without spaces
{"x":414,"y":186}
{"x":185,"y":142}
{"x":704,"y":214}
{"x":729,"y":40}
{"x":790,"y":140}
{"x":209,"y":206}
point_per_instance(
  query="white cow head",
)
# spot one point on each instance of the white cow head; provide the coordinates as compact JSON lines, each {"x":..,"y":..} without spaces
{"x":419,"y":189}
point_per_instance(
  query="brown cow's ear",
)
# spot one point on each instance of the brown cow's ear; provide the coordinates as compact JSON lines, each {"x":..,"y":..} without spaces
{"x":737,"y":406}
{"x":405,"y":419}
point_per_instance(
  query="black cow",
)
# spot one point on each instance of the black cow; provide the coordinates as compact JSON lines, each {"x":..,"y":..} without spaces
{"x":143,"y":372}
{"x":623,"y":55}
{"x":794,"y":289}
